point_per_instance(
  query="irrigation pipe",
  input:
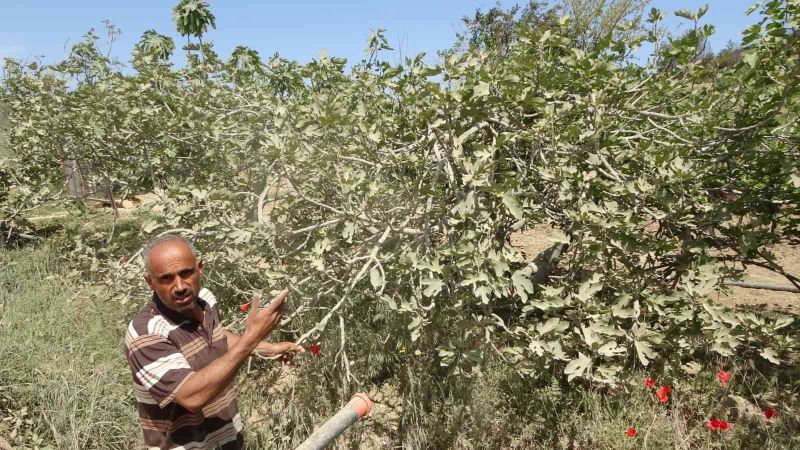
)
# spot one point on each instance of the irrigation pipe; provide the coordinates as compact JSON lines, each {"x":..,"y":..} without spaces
{"x":769,"y":287}
{"x":358,"y":406}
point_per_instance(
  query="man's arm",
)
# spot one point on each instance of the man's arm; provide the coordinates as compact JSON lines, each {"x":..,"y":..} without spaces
{"x":204,"y":385}
{"x":266,"y":348}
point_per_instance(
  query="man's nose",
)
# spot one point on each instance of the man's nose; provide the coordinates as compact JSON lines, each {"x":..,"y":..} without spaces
{"x":180,"y":285}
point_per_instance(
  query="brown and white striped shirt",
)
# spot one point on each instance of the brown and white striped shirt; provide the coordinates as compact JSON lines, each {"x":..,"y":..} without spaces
{"x":164,"y":349}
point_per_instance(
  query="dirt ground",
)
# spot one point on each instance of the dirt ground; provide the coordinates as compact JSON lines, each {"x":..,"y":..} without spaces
{"x":533,"y":241}
{"x":788,"y":257}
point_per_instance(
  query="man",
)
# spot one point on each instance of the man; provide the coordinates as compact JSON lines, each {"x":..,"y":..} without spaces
{"x":183,"y":361}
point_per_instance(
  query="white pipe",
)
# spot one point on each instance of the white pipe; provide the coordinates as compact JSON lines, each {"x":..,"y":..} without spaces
{"x":358,"y":406}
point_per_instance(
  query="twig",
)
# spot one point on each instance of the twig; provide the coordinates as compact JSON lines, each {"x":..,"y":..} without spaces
{"x":769,"y":287}
{"x":322,"y":323}
{"x":313,"y":227}
{"x":343,"y":352}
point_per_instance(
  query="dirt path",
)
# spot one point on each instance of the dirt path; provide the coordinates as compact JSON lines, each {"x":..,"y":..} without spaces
{"x":789,"y":258}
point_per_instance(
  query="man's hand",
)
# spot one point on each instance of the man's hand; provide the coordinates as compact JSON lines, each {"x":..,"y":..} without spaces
{"x":261,"y":321}
{"x":286,"y":350}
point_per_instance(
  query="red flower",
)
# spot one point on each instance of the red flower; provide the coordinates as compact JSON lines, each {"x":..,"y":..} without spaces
{"x":649,"y":383}
{"x":244,"y":307}
{"x":631,"y":432}
{"x":663,"y":394}
{"x":723,"y":377}
{"x":770,"y":413}
{"x":716,"y":424}
{"x":314,"y":349}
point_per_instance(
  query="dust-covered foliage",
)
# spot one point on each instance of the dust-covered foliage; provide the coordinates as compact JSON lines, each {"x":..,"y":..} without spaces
{"x":384,"y":197}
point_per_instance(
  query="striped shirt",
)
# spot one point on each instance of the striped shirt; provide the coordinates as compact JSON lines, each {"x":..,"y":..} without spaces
{"x":164,"y":349}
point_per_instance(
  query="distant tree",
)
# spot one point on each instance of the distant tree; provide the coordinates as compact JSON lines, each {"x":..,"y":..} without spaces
{"x":192,"y":18}
{"x":153,"y":47}
{"x":85,"y":61}
{"x":495,"y":28}
{"x":595,"y":20}
{"x":243,"y":63}
{"x":729,"y":56}
{"x":691,"y":46}
{"x":591,"y":22}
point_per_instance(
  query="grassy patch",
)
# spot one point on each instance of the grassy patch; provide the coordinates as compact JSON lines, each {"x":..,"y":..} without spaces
{"x":64,"y":381}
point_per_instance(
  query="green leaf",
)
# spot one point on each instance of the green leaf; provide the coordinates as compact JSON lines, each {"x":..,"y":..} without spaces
{"x":645,"y":352}
{"x":620,"y":308}
{"x":558,"y":237}
{"x":782,"y":322}
{"x":611,"y":349}
{"x":577,"y":367}
{"x":513,"y":205}
{"x":432,"y":286}
{"x":770,"y":355}
{"x":794,"y":177}
{"x":751,"y":58}
{"x":390,"y":302}
{"x":552,"y":324}
{"x":521,"y":279}
{"x":149,"y":227}
{"x":376,"y":278}
{"x":587,"y":290}
{"x":481,"y":89}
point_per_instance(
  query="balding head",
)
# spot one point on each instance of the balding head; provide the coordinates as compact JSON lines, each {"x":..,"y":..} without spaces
{"x":173,"y":273}
{"x":157,"y":241}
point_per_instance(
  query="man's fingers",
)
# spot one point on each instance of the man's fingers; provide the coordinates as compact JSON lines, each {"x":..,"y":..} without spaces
{"x":277,"y":302}
{"x":256,"y":302}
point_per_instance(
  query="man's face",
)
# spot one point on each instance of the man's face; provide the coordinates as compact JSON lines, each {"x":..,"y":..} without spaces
{"x":174,"y":275}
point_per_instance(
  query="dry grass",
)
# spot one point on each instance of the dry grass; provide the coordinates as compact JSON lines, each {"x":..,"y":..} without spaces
{"x":63,"y":379}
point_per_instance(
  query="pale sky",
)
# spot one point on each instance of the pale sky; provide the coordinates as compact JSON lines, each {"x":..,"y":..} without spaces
{"x":299,"y":29}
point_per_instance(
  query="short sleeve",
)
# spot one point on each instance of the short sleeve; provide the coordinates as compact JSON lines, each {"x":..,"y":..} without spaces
{"x":158,"y":366}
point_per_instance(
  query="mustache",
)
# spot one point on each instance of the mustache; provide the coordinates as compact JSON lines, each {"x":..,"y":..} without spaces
{"x":183,"y":293}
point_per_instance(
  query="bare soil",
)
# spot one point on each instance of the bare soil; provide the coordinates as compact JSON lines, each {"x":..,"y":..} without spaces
{"x":788,"y":256}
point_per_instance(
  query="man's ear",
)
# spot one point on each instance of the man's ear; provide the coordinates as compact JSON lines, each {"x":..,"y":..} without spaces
{"x":149,"y":280}
{"x":200,"y":267}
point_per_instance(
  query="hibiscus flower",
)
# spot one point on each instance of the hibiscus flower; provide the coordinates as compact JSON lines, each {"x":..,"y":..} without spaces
{"x":723,"y":377}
